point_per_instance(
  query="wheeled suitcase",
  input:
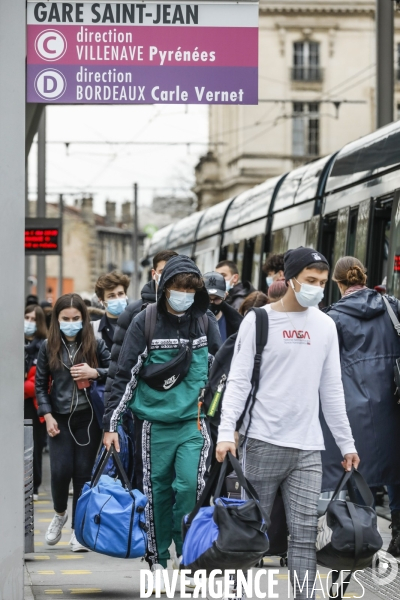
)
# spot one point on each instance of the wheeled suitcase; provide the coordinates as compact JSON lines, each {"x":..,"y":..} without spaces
{"x":277,"y":531}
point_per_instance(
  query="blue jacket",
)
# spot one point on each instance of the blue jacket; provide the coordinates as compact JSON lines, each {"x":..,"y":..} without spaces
{"x":369,"y":347}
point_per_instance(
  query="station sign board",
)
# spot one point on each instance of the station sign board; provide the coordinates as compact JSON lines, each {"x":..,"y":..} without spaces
{"x":42,"y":236}
{"x":142,"y":52}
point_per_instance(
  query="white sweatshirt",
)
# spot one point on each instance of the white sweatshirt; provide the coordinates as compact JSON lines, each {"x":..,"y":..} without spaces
{"x":296,"y":372}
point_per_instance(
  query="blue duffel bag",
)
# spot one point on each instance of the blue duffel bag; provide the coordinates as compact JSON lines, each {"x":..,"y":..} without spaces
{"x":232,"y":534}
{"x":110,"y":517}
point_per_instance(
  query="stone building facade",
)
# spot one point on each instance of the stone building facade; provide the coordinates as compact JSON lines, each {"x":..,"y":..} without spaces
{"x":316,"y":93}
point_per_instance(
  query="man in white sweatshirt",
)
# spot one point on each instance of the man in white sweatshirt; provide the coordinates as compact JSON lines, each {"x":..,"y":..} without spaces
{"x":280,"y":445}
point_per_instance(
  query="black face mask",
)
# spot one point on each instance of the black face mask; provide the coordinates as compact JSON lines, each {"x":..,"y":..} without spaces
{"x":215,"y":308}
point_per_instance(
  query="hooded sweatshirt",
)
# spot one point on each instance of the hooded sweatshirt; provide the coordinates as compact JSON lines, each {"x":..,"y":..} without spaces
{"x":180,"y":402}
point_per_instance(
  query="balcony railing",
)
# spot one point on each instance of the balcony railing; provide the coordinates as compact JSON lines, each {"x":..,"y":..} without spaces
{"x":311,"y":74}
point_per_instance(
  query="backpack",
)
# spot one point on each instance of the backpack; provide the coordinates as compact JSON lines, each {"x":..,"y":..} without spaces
{"x":212,"y":395}
{"x":165,"y":376}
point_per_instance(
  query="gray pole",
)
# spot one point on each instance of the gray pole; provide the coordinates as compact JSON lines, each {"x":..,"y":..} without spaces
{"x":384,"y":62}
{"x":41,"y":202}
{"x":135,"y":240}
{"x":12,"y":223}
{"x":27,"y":258}
{"x":60,"y":268}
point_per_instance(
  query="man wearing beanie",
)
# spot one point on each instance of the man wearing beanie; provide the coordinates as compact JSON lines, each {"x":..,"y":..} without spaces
{"x":280,"y":443}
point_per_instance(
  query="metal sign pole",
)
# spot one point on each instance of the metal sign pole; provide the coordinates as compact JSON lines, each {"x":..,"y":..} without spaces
{"x":61,"y":270}
{"x":384,"y":62}
{"x":41,"y":203}
{"x":12,"y":203}
{"x":135,"y":241}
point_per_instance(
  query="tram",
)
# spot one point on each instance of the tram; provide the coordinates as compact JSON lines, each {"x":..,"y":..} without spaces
{"x":343,"y":204}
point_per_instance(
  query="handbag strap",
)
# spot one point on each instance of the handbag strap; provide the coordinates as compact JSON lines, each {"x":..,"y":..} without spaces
{"x":206,"y":491}
{"x":150,"y":323}
{"x":118,"y":465}
{"x":262,"y":327}
{"x":392,"y":315}
{"x":360,"y":483}
{"x":245,"y":484}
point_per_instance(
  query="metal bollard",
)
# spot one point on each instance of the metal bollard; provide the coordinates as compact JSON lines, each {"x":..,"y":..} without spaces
{"x":28,"y":484}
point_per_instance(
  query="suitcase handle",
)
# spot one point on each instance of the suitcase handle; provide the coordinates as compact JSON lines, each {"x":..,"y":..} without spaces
{"x":102,"y":465}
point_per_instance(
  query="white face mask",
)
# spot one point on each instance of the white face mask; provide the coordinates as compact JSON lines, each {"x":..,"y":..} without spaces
{"x":309,"y":295}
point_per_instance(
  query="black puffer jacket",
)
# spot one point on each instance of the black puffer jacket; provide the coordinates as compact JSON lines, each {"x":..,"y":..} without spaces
{"x":369,"y":347}
{"x":238,"y":293}
{"x":148,"y":296}
{"x":62,"y":386}
{"x":32,"y":352}
{"x":233,"y":319}
{"x":169,"y":329}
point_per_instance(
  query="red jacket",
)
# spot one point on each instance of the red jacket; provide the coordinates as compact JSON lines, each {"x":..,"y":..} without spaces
{"x":29,"y":388}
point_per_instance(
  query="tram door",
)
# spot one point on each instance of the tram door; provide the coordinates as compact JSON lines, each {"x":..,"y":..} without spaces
{"x":393,"y":256}
{"x":379,"y":239}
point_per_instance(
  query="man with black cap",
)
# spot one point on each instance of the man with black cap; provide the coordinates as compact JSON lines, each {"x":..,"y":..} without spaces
{"x":280,"y":443}
{"x":227,"y":317}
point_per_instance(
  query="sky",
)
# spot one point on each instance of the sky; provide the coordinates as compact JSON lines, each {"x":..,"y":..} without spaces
{"x":108,"y":171}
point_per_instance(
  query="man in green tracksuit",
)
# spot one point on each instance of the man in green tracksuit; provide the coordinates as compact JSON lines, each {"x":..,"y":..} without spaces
{"x":170,"y":435}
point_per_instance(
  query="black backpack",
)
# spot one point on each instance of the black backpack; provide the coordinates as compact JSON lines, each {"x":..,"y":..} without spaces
{"x":212,"y":395}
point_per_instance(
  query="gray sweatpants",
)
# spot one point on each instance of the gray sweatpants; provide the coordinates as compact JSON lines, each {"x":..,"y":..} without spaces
{"x":299,"y":474}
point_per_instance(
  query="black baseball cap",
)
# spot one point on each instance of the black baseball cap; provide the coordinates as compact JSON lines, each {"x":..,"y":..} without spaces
{"x":215,"y":284}
{"x":300,"y":258}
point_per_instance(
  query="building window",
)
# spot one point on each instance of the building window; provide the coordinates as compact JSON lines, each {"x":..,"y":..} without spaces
{"x":305,"y":129}
{"x":398,"y":113}
{"x":306,"y":62}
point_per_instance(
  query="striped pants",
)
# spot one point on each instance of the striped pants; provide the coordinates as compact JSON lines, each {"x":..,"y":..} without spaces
{"x":299,"y":474}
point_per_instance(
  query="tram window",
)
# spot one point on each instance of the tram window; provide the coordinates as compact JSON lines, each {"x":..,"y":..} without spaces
{"x":297,"y":235}
{"x":351,"y":234}
{"x":231,"y":253}
{"x":280,"y":240}
{"x":257,"y":256}
{"x":240,"y":257}
{"x":360,"y":248}
{"x":341,"y":234}
{"x":313,"y":232}
{"x":248,"y":260}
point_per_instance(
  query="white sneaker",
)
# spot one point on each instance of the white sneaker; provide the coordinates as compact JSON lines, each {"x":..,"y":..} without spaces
{"x":176,"y":564}
{"x":75,"y":545}
{"x":35,"y":497}
{"x":153,"y":569}
{"x":53,"y":533}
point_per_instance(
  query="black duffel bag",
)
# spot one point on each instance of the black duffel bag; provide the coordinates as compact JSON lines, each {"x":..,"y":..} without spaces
{"x":348,"y":535}
{"x":232,"y":534}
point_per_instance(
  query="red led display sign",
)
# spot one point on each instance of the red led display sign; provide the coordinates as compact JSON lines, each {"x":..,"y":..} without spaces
{"x":396,"y":263}
{"x":43,"y":236}
{"x":41,"y":239}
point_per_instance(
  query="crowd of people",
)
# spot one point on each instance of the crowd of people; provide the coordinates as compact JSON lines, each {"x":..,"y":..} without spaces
{"x":326,"y":397}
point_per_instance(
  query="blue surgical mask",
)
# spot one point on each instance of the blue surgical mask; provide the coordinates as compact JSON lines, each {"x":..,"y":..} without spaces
{"x":29,"y":328}
{"x":117,"y":306}
{"x":228,"y":283}
{"x":309,"y":295}
{"x":269,"y":280}
{"x":180,"y":301}
{"x":70,"y":328}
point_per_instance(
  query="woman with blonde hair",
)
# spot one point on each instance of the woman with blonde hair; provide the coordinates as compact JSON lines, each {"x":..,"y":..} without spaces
{"x":369,"y":347}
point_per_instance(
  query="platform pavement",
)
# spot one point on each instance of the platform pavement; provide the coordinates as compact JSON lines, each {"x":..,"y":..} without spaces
{"x":54,"y":572}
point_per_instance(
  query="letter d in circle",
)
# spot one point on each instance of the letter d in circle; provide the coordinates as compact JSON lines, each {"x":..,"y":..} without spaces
{"x":50,"y":84}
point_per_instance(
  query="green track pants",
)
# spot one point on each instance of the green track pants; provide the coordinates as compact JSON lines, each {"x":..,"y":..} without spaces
{"x":175,"y":458}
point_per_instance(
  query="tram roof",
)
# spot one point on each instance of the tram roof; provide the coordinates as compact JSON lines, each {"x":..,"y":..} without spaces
{"x":184,"y":231}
